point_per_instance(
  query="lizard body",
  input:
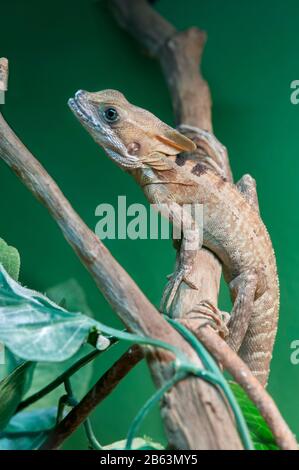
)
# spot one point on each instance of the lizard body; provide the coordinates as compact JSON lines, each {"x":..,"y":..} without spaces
{"x":232,"y":228}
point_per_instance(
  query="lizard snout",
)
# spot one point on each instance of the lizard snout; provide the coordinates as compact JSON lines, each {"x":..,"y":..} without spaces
{"x":79,"y":94}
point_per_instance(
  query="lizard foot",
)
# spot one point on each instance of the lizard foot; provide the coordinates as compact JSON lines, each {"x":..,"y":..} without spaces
{"x":174,"y":282}
{"x":205,"y":312}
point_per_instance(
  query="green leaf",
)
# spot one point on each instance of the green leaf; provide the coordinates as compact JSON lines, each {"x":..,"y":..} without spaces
{"x":35,"y":328}
{"x":71,"y":294}
{"x":10,"y":363}
{"x":261,"y":435}
{"x":28,"y":430}
{"x":10,"y":259}
{"x":74,"y":299}
{"x":12,"y":389}
{"x":138,"y":443}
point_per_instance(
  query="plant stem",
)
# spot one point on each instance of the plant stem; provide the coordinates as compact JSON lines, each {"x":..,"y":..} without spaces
{"x":61,"y":379}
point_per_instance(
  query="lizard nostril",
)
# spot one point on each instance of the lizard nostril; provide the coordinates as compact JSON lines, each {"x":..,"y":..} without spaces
{"x":79,"y":93}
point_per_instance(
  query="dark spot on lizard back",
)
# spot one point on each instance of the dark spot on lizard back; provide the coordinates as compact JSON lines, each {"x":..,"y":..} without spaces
{"x":221,"y":182}
{"x":180,"y":159}
{"x":198,"y":169}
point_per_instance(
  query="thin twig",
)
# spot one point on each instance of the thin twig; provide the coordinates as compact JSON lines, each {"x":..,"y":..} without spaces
{"x":97,"y":394}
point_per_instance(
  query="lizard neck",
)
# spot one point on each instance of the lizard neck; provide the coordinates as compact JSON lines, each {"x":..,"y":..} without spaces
{"x":161,"y":169}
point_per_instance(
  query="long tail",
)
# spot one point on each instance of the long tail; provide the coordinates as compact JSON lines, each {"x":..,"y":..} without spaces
{"x":257,"y":346}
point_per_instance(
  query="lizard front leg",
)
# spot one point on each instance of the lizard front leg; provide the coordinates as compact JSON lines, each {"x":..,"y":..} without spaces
{"x":243,"y":289}
{"x":191,"y":242}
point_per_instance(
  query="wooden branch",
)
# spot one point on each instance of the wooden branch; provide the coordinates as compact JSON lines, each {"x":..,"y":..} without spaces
{"x":103,"y":387}
{"x":192,"y":404}
{"x":233,"y":364}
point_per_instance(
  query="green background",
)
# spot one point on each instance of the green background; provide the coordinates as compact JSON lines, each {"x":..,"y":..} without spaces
{"x":57,"y":47}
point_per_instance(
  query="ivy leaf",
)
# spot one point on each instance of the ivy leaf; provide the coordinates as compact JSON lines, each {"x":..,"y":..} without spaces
{"x":35,"y":328}
{"x":12,"y":389}
{"x":28,"y":430}
{"x":261,"y":435}
{"x":10,"y":259}
{"x":139,"y":443}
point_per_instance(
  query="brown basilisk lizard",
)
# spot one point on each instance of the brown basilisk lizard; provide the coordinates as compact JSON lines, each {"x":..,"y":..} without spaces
{"x":143,"y":145}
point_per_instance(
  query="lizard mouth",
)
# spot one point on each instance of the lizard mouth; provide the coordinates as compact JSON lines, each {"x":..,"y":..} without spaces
{"x":77,"y":109}
{"x":81,"y":109}
{"x":85,"y":112}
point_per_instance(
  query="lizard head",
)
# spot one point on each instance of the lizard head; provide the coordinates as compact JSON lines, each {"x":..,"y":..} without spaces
{"x":127,"y":133}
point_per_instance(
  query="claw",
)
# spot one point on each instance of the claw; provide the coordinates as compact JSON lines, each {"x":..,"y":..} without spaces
{"x":190,"y":283}
{"x":206,"y":310}
{"x":172,"y":287}
{"x":225,"y":317}
{"x":164,"y":298}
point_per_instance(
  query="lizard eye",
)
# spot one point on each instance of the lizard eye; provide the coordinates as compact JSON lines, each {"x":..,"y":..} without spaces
{"x":110,"y":114}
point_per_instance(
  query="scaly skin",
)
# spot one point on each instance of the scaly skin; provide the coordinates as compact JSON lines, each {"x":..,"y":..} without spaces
{"x":232,"y":228}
